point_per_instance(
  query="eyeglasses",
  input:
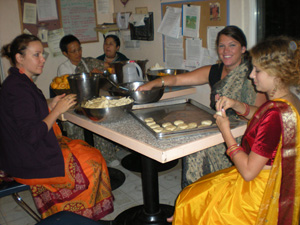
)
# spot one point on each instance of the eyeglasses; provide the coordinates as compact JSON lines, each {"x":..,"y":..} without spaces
{"x":75,"y":51}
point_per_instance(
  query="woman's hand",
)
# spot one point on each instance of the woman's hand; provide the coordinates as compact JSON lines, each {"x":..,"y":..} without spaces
{"x":53,"y":101}
{"x":146,"y":87}
{"x":61,"y":104}
{"x":222,"y":102}
{"x":170,"y":219}
{"x":65,"y":103}
{"x":223,"y":122}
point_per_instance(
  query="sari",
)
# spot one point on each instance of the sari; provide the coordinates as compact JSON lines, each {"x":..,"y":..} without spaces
{"x":235,"y":85}
{"x":85,"y":188}
{"x":273,"y":197}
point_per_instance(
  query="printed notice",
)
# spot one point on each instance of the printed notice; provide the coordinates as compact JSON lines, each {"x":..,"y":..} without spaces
{"x":29,"y":15}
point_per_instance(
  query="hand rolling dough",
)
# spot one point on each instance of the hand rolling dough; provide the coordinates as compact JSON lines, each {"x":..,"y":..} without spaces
{"x":219,"y":113}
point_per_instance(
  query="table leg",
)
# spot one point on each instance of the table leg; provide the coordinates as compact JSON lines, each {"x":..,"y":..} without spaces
{"x":117,"y":177}
{"x":151,"y":213}
{"x":88,"y":137}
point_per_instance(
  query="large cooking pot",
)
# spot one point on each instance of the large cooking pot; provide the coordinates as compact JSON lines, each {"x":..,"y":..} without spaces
{"x":118,"y":66}
{"x":85,"y":85}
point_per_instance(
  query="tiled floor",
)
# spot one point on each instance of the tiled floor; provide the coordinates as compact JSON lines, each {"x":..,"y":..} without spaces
{"x":126,"y":196}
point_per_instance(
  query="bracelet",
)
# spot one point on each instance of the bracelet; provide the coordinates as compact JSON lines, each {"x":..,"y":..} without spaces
{"x":162,"y":82}
{"x":233,"y":149}
{"x":246,"y":113}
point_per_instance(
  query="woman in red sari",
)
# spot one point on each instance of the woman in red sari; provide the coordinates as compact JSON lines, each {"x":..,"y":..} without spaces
{"x":64,"y":174}
{"x":263,"y":185}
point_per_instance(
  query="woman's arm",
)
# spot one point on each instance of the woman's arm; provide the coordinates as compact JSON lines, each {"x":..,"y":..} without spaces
{"x":195,"y":77}
{"x":59,"y":105}
{"x":266,"y":140}
{"x":247,"y":111}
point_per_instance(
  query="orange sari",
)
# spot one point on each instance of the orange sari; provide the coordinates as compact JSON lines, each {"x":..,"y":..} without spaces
{"x":85,"y":188}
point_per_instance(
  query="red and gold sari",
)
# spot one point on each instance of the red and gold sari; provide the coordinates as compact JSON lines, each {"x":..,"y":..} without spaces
{"x":85,"y":188}
{"x":273,"y":197}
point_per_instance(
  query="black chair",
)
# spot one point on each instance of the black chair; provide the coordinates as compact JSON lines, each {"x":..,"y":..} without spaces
{"x":70,"y":218}
{"x":13,"y":188}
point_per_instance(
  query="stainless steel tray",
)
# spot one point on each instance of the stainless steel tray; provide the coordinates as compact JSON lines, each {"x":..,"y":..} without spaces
{"x":187,"y":110}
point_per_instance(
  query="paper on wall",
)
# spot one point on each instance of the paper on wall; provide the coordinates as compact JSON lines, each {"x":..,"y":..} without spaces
{"x":191,"y":20}
{"x":54,"y":37}
{"x":170,"y":25}
{"x":138,"y":19}
{"x":29,"y":13}
{"x":174,"y":58}
{"x":193,"y":48}
{"x":47,"y":10}
{"x":103,"y":6}
{"x":173,"y":42}
{"x":212,"y":33}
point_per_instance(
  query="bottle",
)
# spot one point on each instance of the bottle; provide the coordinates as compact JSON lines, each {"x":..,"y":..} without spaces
{"x":132,"y":72}
{"x":43,"y":32}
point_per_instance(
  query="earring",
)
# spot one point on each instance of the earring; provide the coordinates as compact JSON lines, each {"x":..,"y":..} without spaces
{"x":273,"y":92}
{"x":21,"y":70}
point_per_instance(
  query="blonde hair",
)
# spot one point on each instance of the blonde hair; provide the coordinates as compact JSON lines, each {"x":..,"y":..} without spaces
{"x":279,"y":57}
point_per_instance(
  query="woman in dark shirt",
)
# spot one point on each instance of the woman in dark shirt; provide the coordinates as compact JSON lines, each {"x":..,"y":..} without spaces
{"x":111,"y":47}
{"x":64,"y":174}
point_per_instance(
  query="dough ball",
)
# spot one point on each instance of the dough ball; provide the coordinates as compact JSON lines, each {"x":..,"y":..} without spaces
{"x":150,"y":123}
{"x":166,"y":124}
{"x":158,"y":129}
{"x":219,"y":113}
{"x":154,"y":126}
{"x":182,"y":126}
{"x":178,"y":122}
{"x":192,"y":125}
{"x":149,"y":119}
{"x":206,"y":122}
{"x":170,"y":127}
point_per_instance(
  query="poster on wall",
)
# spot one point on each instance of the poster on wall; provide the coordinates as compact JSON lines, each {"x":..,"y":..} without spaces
{"x":79,"y":19}
{"x":191,"y":20}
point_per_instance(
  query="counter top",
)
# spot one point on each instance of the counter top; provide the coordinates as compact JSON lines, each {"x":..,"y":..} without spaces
{"x":130,"y":133}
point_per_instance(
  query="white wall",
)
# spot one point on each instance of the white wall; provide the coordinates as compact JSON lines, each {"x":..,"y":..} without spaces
{"x":151,"y":50}
{"x":10,"y":28}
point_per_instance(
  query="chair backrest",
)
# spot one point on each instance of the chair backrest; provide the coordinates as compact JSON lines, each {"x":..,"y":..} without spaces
{"x":8,"y":188}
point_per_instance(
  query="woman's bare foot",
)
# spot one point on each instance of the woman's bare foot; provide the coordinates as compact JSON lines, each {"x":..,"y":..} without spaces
{"x":170,"y":219}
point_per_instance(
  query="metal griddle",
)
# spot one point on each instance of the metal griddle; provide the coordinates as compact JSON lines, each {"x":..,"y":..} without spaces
{"x":187,"y":110}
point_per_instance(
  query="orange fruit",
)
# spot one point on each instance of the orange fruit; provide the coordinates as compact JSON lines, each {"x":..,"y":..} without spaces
{"x":62,"y":86}
{"x":58,"y":80}
{"x":54,"y":85}
{"x":65,"y":81}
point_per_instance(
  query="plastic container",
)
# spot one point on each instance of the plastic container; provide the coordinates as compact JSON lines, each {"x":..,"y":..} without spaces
{"x":132,"y":72}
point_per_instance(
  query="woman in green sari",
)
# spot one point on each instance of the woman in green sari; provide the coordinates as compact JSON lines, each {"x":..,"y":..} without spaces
{"x":228,"y":78}
{"x":263,"y":185}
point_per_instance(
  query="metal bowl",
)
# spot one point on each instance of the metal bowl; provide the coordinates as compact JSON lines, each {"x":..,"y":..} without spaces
{"x":154,"y":74}
{"x":140,"y":97}
{"x":107,"y":114}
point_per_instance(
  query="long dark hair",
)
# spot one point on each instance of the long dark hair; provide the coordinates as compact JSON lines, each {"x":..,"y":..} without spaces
{"x":234,"y":32}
